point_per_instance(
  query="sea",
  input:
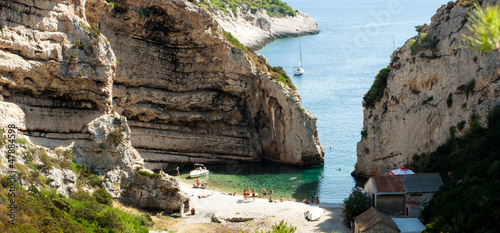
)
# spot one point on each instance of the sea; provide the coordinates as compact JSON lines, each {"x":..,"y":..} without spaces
{"x":356,"y":40}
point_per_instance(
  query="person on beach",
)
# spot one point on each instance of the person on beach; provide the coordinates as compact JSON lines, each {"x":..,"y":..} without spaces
{"x":161,"y":172}
{"x":305,"y":200}
{"x":197,"y":183}
{"x":281,"y":199}
{"x":264,"y":192}
{"x":234,"y":194}
{"x":270,"y":199}
{"x":317,"y":200}
{"x":178,"y":171}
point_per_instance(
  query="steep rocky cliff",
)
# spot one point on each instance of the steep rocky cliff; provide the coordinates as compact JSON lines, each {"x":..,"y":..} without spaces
{"x":433,"y":90}
{"x":190,"y":94}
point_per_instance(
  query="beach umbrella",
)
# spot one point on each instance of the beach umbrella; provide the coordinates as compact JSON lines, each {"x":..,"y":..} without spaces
{"x":402,"y":171}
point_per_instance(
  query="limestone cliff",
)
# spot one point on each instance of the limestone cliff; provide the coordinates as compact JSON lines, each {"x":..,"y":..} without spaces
{"x":189,"y":93}
{"x":430,"y":92}
{"x":257,"y":29}
{"x":191,"y":96}
{"x":56,"y":76}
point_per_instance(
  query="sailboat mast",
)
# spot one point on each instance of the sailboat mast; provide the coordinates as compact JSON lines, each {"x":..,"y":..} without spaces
{"x":300,"y":54}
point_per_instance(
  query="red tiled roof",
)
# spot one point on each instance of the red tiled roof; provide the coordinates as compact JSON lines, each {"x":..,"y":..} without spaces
{"x":372,"y":217}
{"x":412,"y":204}
{"x":388,"y":184}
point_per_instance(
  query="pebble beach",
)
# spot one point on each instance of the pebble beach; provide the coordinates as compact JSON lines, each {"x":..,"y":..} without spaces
{"x":214,"y":208}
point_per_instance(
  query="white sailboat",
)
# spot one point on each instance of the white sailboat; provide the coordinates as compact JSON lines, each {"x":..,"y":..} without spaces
{"x":299,"y":70}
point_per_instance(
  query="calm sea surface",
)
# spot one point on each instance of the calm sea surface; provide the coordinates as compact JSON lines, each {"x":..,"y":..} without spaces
{"x":340,"y":63}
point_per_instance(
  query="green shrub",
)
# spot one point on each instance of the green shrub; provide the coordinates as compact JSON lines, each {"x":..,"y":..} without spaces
{"x":452,"y":130}
{"x":3,"y":138}
{"x":449,"y":100}
{"x":364,"y":133}
{"x":470,"y":167}
{"x":102,"y":196}
{"x":95,"y":181}
{"x":461,"y":125}
{"x":274,"y":8}
{"x":115,"y":137}
{"x":234,"y":41}
{"x":376,"y":92}
{"x":145,"y":220}
{"x":81,"y":195}
{"x":424,"y":41}
{"x":117,"y":121}
{"x":421,"y":28}
{"x":152,"y":175}
{"x":45,"y":159}
{"x":279,"y":74}
{"x":486,"y":29}
{"x":21,"y":141}
{"x":354,"y":205}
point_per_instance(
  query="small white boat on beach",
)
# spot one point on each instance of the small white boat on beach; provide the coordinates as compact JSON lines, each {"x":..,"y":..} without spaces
{"x":314,"y":214}
{"x":199,"y":170}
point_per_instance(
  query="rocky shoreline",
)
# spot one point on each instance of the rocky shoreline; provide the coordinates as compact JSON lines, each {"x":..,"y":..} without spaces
{"x":256,"y":30}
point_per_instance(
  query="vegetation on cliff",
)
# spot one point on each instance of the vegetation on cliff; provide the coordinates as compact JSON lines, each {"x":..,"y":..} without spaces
{"x":274,"y":8}
{"x":470,"y":166}
{"x":376,"y":92}
{"x":47,"y":211}
{"x":486,"y":29}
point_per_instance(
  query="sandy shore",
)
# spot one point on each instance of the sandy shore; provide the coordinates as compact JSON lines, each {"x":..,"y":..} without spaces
{"x":236,"y":215}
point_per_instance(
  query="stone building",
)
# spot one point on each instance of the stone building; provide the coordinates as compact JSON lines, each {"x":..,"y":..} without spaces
{"x":373,"y":221}
{"x":400,"y":195}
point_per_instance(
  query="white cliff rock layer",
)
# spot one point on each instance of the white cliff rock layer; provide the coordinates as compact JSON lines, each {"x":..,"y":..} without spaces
{"x":255,"y":30}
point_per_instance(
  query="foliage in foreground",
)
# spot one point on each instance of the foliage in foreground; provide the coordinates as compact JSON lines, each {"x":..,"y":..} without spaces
{"x":354,"y":205}
{"x":282,"y":227}
{"x":376,"y":92}
{"x":486,"y":29}
{"x":46,"y":211}
{"x":470,"y":166}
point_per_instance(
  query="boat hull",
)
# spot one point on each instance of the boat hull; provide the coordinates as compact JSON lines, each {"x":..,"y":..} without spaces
{"x":314,"y":214}
{"x":194,"y":174}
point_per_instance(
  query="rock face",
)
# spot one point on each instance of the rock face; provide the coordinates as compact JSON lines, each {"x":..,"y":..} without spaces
{"x":191,"y":97}
{"x":255,"y":30}
{"x":111,"y":154}
{"x":187,"y":94}
{"x":429,"y":93}
{"x":54,"y":68}
{"x":57,"y":73}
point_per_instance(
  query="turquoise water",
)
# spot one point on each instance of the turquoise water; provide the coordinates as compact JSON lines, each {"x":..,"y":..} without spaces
{"x":340,"y":63}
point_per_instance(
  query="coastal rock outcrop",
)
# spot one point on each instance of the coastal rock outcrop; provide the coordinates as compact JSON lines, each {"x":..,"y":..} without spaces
{"x":110,"y":153}
{"x":257,"y":29}
{"x":190,"y":95}
{"x":433,"y":91}
{"x":56,"y":76}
